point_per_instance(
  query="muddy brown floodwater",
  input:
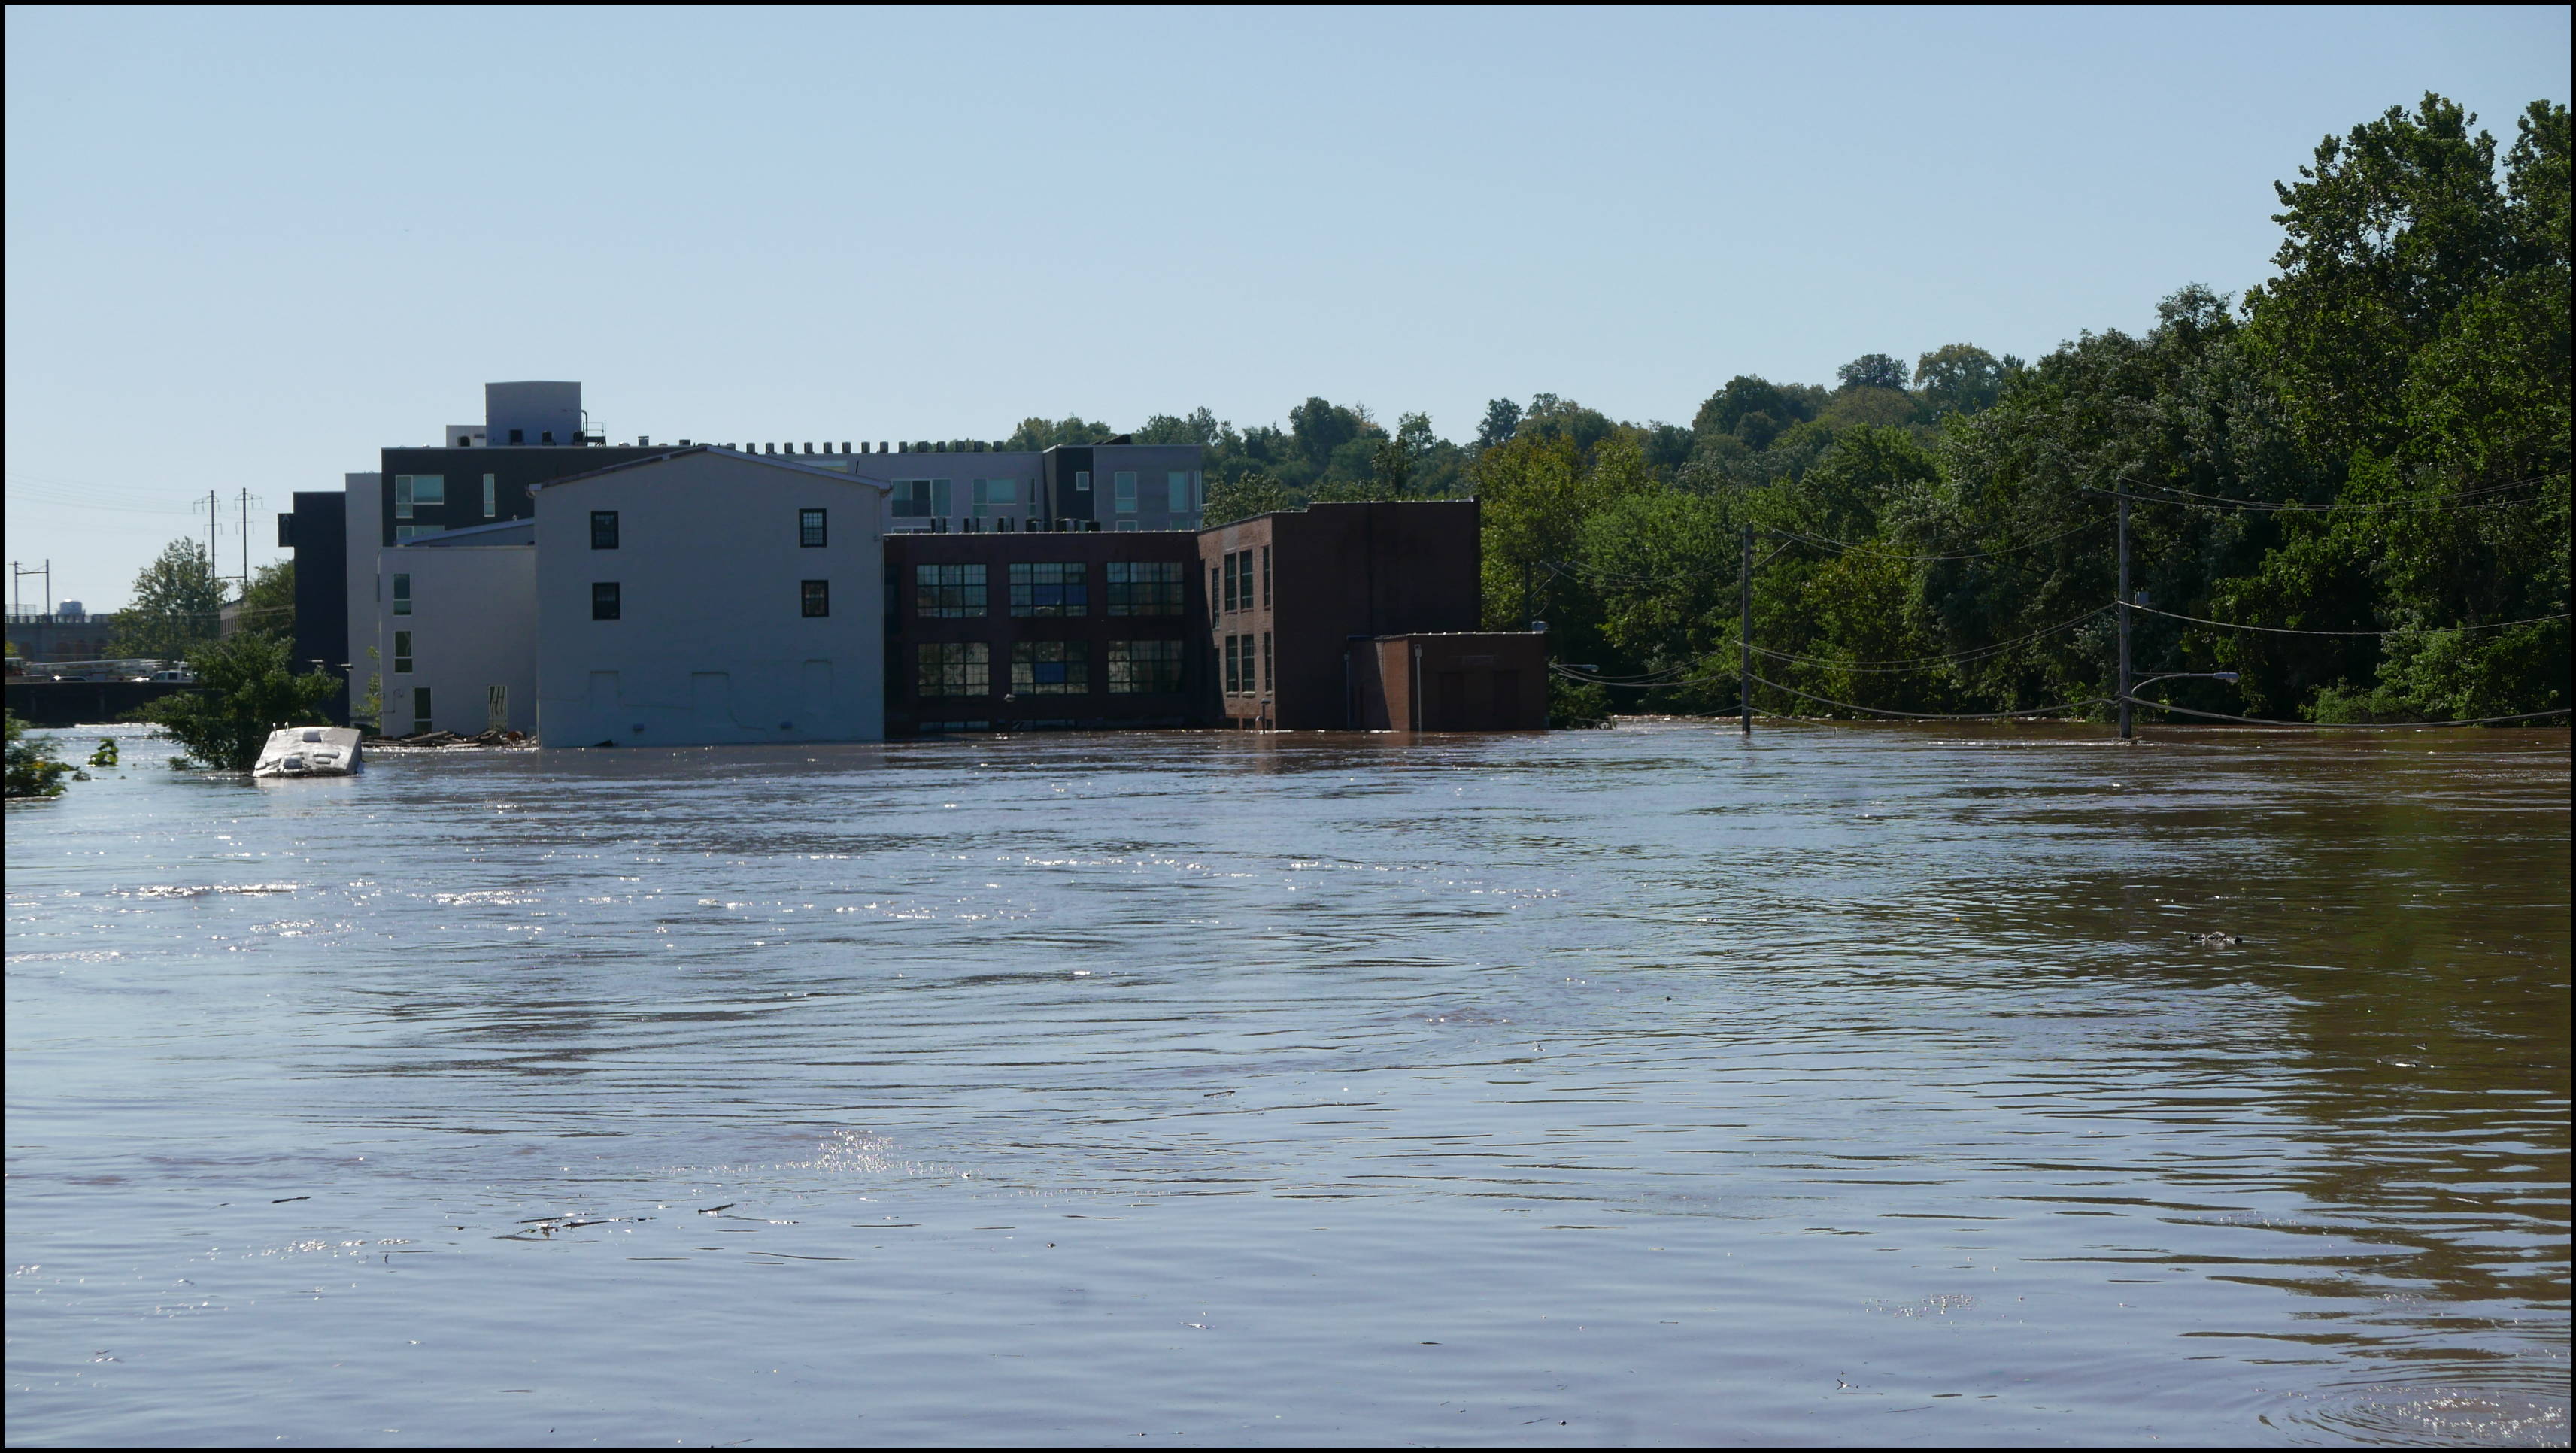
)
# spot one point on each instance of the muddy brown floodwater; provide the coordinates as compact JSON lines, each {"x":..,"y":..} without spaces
{"x":1857,"y":1085}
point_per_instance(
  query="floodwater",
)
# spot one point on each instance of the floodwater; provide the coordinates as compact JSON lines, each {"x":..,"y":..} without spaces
{"x":1857,"y":1085}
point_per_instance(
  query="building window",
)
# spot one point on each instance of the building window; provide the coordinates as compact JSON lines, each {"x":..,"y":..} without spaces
{"x":402,"y":653}
{"x":402,"y":595}
{"x":1265,"y":577}
{"x":604,"y":602}
{"x":1268,"y":681}
{"x":491,"y":496}
{"x":1050,"y":668}
{"x":993,"y":497}
{"x":816,"y":597}
{"x":419,"y":710}
{"x":405,"y":534}
{"x":948,"y":592}
{"x":809,"y":529}
{"x":496,"y":708}
{"x":1050,"y":588}
{"x":1082,"y":481}
{"x":1144,"y":587}
{"x":1233,"y":665}
{"x":1176,"y":486}
{"x":1138,"y":668}
{"x":1214,"y":610}
{"x":1123,"y":489}
{"x":603,"y":529}
{"x":955,"y":668}
{"x":920,"y":499}
{"x":411,"y":491}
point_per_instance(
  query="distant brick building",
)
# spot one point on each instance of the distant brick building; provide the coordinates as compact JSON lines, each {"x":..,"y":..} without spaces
{"x":1061,"y":629}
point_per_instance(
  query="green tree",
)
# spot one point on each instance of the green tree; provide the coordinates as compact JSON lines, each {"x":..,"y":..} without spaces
{"x":1960,"y":378}
{"x":268,"y":607}
{"x":32,"y":769}
{"x":177,"y":602}
{"x":1244,"y":496}
{"x":1502,"y":417}
{"x":246,"y":688}
{"x":1037,"y":433}
{"x":1871,"y":370}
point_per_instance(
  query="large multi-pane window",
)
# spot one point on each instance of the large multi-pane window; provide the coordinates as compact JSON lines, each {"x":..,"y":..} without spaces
{"x":491,"y":495}
{"x":994,"y":497}
{"x":605,"y":602}
{"x":1176,"y":485}
{"x":1050,"y":668}
{"x":948,"y":591}
{"x":1233,"y":665}
{"x":920,"y":499}
{"x":402,"y":595}
{"x":411,"y":491}
{"x":1265,"y":577}
{"x":1123,"y":490}
{"x":420,"y":718}
{"x":1268,"y":681}
{"x":1082,"y":481}
{"x":810,"y":534}
{"x":815,"y":596}
{"x":1049,"y":588}
{"x":1144,"y":587}
{"x":954,"y":668}
{"x":1143,"y":667}
{"x":603,"y":529}
{"x":1214,"y":609}
{"x":402,"y":653}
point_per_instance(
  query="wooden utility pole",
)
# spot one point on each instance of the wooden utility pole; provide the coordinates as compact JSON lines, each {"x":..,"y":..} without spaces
{"x":2124,"y":616}
{"x":1744,"y":637}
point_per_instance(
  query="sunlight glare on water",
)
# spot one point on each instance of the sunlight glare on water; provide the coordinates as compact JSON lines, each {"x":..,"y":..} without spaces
{"x":1850,"y":1085}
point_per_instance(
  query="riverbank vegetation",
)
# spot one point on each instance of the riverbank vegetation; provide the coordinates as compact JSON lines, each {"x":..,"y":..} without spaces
{"x":2349,"y":486}
{"x":246,"y":688}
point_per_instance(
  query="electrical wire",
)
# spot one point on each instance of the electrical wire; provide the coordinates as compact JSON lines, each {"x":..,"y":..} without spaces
{"x":2349,"y":726}
{"x":1978,"y":653}
{"x":1941,"y":715}
{"x":2289,"y":631}
{"x":2174,"y":494}
{"x":1974,"y":555}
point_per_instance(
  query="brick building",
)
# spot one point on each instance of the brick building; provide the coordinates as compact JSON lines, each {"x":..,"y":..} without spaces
{"x":1296,"y":598}
{"x":1058,"y":629}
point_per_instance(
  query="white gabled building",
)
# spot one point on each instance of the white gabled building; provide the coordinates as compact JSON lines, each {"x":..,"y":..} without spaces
{"x":709,"y":596}
{"x":455,"y":633}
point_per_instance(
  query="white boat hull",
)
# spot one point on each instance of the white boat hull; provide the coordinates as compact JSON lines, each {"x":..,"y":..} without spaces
{"x":308,"y":752}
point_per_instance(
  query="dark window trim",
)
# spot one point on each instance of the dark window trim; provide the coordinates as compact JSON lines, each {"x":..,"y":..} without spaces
{"x":820,"y":534}
{"x":814,"y":597}
{"x":603,"y":529}
{"x":607,"y":601}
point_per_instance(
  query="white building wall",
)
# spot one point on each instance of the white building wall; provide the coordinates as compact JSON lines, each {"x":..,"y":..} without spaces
{"x":364,"y":517}
{"x":711,"y":645}
{"x":473,"y":635}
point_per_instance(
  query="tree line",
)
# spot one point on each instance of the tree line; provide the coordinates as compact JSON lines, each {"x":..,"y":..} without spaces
{"x":2349,"y":486}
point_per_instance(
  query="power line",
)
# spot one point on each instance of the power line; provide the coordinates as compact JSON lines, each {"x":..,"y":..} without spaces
{"x":2352,"y":726}
{"x":1941,"y":715}
{"x":1975,"y":555}
{"x":2289,"y":631}
{"x":1975,"y":653}
{"x":2176,"y":495}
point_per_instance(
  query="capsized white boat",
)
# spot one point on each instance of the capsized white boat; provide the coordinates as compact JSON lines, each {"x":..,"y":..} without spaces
{"x":308,"y":752}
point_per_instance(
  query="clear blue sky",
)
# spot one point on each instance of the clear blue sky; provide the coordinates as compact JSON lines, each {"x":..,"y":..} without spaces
{"x":247,"y":248}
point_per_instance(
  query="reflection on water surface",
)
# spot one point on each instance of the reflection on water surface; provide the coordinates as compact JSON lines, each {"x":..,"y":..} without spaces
{"x":1855,"y":1085}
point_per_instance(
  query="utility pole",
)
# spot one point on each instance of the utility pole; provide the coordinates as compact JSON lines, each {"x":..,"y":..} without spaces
{"x":245,"y":544}
{"x":1744,"y":638}
{"x":213,"y":506}
{"x":2124,"y":616}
